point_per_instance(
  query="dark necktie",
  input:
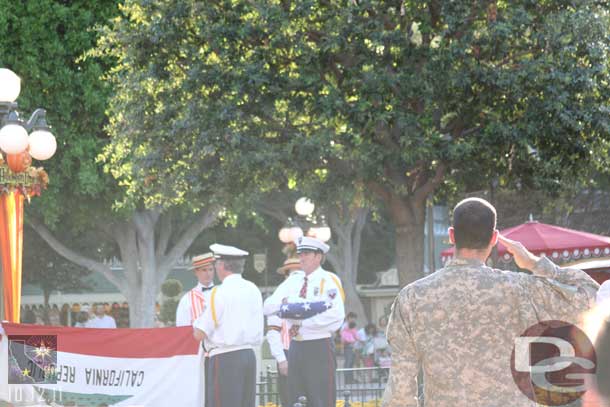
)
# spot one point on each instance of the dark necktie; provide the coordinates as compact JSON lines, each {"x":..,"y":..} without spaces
{"x":294,"y":329}
{"x":204,"y":289}
{"x":303,"y":292}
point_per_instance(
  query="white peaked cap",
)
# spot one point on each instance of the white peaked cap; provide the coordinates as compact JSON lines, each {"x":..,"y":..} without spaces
{"x":224,"y":251}
{"x":306,"y":243}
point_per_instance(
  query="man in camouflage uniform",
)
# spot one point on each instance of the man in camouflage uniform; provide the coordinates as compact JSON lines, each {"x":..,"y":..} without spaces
{"x":459,"y":324}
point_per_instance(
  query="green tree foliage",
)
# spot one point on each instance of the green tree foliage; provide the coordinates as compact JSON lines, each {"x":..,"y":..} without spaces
{"x":42,"y":42}
{"x":396,"y":96}
{"x":177,"y":136}
{"x":45,"y":42}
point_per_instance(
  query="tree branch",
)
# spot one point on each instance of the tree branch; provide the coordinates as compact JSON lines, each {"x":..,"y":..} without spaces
{"x":75,"y":257}
{"x":204,"y":220}
{"x":146,"y":220}
{"x":427,"y":188}
{"x":434,"y":8}
{"x":467,"y":132}
{"x":125,"y":235}
{"x":165,"y":233}
{"x":384,"y":137}
{"x":274,"y":212}
{"x":380,"y":190}
{"x":394,"y":175}
{"x":333,"y":259}
{"x":336,"y":224}
{"x":360,"y":221}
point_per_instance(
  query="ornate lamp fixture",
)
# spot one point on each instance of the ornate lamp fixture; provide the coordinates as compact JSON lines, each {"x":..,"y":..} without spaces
{"x":18,"y":180}
{"x":17,"y":146}
{"x":305,"y":223}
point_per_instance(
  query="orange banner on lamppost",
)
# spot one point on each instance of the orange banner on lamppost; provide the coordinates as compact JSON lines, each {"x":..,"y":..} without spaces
{"x":18,"y":180}
{"x":11,"y":249}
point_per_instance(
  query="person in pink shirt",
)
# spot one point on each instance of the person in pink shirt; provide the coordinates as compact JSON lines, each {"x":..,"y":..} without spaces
{"x":349,"y":336}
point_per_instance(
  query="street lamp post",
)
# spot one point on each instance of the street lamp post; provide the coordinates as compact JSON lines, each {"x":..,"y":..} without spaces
{"x":18,"y":181}
{"x":305,"y":223}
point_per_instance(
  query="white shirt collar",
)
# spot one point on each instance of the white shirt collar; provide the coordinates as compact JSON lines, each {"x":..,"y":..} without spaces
{"x":316,"y":273}
{"x":296,"y":273}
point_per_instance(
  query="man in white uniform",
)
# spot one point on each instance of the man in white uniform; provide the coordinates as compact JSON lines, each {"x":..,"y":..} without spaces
{"x":232,"y":327}
{"x":191,"y":306}
{"x":311,"y":357}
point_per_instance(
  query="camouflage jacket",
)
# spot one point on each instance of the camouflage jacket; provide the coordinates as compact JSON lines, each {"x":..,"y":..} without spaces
{"x":459,"y":324}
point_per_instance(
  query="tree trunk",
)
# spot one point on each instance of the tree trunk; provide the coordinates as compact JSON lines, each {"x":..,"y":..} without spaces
{"x":406,"y":199}
{"x":146,"y":222}
{"x":46,"y":293}
{"x":146,"y":260}
{"x":409,"y":217}
{"x":431,"y":241}
{"x":409,"y":252}
{"x":353,"y":302}
{"x":347,"y":228}
{"x":142,"y":306}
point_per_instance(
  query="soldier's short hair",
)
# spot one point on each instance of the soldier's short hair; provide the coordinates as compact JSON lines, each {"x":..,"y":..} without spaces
{"x":474,"y":221}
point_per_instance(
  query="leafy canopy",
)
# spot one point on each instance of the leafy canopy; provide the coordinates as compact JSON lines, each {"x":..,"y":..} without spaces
{"x":42,"y":41}
{"x":391,"y":93}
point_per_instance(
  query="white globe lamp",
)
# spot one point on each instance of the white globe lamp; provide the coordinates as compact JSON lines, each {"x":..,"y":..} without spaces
{"x":42,"y":144}
{"x":323,"y":233}
{"x":285,"y":235}
{"x":304,"y":206}
{"x":295,"y":233}
{"x":13,"y":138}
{"x":10,"y":85}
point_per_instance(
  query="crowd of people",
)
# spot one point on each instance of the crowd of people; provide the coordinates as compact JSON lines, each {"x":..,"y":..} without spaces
{"x":76,"y":315}
{"x":363,"y":347}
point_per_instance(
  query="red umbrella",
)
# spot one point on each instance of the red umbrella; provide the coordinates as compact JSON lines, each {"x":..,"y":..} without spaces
{"x":553,"y":241}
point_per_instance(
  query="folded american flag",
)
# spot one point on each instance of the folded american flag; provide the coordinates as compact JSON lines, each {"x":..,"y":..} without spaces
{"x":303,"y":310}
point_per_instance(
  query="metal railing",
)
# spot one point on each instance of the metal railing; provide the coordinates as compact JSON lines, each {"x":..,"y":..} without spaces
{"x":356,"y":387}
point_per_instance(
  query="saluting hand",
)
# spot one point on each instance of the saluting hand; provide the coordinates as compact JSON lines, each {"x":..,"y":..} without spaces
{"x":523,"y":257}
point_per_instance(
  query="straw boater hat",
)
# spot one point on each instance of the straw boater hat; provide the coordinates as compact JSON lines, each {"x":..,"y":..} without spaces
{"x":202,"y":260}
{"x":290,"y":264}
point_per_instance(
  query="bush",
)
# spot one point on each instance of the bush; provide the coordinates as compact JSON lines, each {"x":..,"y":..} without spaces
{"x":168,"y":311}
{"x":171,"y":288}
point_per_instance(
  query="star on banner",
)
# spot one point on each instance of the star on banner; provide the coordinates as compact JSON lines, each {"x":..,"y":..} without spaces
{"x":42,"y":351}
